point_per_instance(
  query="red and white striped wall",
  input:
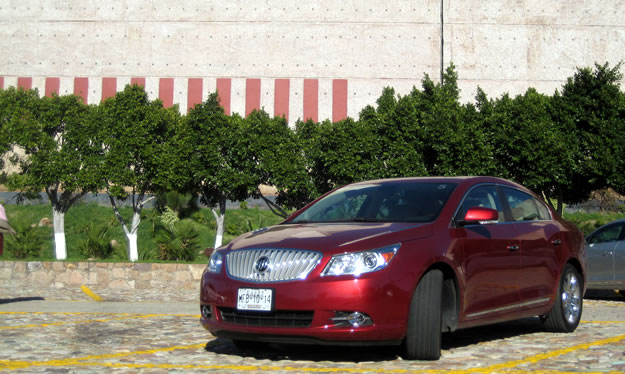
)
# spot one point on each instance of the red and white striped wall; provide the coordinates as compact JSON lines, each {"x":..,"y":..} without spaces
{"x":316,"y":99}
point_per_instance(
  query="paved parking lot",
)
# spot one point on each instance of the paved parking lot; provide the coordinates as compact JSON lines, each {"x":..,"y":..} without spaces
{"x":88,"y":336}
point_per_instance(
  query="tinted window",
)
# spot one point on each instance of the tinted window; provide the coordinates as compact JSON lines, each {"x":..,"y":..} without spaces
{"x":384,"y":202}
{"x":543,"y":211}
{"x":608,"y":234}
{"x":523,"y":206}
{"x":482,"y":196}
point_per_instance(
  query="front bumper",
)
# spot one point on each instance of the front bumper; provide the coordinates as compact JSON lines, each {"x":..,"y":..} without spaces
{"x":380,"y":296}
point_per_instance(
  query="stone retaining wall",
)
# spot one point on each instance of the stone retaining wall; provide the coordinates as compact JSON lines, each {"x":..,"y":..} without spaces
{"x":141,"y":280}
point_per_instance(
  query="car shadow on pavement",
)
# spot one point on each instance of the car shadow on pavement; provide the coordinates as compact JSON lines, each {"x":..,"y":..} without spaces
{"x":611,"y":295}
{"x":300,"y":352}
{"x":317,"y":353}
{"x":499,"y":331}
{"x":18,"y":299}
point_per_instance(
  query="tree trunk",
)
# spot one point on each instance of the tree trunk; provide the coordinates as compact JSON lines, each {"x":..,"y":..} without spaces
{"x":131,"y":236}
{"x":220,"y":218}
{"x":560,"y":203}
{"x":133,"y":252}
{"x":58,"y":219}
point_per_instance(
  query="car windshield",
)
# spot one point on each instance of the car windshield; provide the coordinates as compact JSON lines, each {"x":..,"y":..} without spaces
{"x":405,"y":201}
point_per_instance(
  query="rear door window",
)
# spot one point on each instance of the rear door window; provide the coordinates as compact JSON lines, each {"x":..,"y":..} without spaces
{"x":610,"y":233}
{"x":524,"y":207}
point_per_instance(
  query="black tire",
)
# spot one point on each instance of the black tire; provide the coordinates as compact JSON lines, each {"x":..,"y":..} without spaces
{"x":423,"y":335}
{"x":567,"y":309}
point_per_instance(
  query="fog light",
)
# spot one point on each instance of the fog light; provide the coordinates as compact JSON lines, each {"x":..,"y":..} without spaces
{"x":206,"y":312}
{"x":351,"y":319}
{"x":357,"y":319}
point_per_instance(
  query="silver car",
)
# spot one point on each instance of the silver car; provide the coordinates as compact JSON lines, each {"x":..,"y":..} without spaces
{"x":605,"y":261}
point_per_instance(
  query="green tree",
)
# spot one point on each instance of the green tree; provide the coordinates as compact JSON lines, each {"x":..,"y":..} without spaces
{"x":58,"y":154}
{"x":339,"y":153}
{"x":209,"y":148}
{"x":529,"y":147}
{"x":453,"y":141}
{"x":590,"y":109}
{"x":18,"y":108}
{"x":135,"y":136}
{"x":273,"y":156}
{"x":395,"y":126}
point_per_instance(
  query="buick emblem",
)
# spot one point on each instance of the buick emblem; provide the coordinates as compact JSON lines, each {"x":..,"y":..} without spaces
{"x":262,"y":264}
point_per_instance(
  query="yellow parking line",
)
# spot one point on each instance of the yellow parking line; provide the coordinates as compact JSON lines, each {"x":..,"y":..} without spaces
{"x":12,"y":365}
{"x":507,"y":367}
{"x":544,"y":356}
{"x":265,"y":368}
{"x":64,"y":313}
{"x":109,"y":314}
{"x":133,"y":316}
{"x":90,"y":293}
{"x":603,"y":322}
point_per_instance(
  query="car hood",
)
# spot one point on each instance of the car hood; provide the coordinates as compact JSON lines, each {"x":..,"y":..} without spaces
{"x":328,"y":236}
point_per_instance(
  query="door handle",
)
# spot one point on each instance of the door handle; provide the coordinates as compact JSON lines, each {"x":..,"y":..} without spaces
{"x":513,"y":247}
{"x":607,"y":253}
{"x":556,"y":242}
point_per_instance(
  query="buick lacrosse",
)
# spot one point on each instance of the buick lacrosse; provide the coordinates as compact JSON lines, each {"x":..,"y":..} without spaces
{"x":398,"y":261}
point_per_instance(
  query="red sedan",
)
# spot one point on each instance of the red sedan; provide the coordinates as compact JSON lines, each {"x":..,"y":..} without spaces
{"x":398,"y":261}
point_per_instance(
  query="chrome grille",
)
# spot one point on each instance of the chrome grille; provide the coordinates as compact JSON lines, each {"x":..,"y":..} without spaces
{"x":275,"y":265}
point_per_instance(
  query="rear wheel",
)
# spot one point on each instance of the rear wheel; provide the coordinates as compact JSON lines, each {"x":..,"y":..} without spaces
{"x":567,"y":309}
{"x":423,"y":335}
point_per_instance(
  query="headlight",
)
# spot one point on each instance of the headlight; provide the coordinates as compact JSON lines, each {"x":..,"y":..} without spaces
{"x":360,"y":262}
{"x":214,"y":262}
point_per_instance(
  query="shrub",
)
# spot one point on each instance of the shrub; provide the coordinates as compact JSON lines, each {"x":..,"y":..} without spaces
{"x":588,"y":222}
{"x":169,"y":217}
{"x":183,"y":204}
{"x":97,"y":243}
{"x":178,"y":242}
{"x":29,"y":241}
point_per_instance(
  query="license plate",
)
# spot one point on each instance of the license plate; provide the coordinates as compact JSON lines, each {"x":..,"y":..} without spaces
{"x":260,"y":299}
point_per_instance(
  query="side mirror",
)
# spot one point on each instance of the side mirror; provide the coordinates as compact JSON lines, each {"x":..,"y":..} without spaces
{"x":479,"y":215}
{"x":590,"y":240}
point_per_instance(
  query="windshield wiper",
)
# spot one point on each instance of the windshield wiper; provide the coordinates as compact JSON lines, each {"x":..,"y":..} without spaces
{"x":300,"y":221}
{"x":362,"y":219}
{"x":352,"y":219}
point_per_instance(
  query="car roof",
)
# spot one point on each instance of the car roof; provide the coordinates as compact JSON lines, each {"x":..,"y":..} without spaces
{"x":458,"y":179}
{"x":620,"y":220}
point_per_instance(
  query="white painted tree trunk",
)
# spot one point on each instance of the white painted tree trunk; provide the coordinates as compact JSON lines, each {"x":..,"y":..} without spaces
{"x":133,"y":251}
{"x":219,"y":219}
{"x":58,"y":220}
{"x":131,"y":236}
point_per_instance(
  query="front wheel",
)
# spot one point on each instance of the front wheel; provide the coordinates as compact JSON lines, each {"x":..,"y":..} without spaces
{"x":423,"y":335}
{"x":567,"y":309}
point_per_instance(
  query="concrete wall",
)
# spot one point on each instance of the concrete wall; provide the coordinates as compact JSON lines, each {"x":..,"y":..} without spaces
{"x":319,"y":59}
